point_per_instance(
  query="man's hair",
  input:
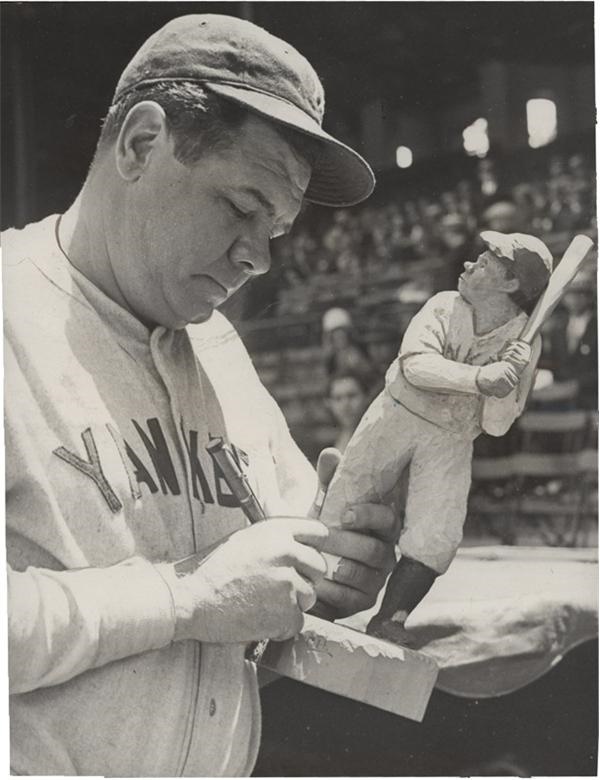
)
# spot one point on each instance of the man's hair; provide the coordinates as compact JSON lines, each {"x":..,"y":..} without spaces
{"x":200,"y":121}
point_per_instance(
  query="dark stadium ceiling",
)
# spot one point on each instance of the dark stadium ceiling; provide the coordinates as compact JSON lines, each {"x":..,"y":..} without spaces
{"x":411,"y":53}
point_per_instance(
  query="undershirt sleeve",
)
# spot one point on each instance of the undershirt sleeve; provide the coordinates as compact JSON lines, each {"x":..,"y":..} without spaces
{"x":62,"y":623}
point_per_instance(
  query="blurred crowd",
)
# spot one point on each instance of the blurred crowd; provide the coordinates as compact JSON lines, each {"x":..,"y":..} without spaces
{"x":367,"y":240}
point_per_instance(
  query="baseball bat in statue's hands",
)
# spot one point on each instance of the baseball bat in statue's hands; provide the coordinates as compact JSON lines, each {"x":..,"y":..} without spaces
{"x":559,"y":281}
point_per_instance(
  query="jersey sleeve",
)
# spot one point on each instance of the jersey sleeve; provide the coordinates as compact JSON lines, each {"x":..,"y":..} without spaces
{"x":421,"y":354}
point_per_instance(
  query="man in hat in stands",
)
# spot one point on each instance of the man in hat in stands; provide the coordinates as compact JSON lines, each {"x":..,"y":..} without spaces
{"x":574,"y":339}
{"x":127,"y":639}
{"x":461,"y":369}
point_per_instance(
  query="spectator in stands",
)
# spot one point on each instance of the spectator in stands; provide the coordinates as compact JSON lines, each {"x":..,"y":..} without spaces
{"x":575,"y":340}
{"x":342,"y":348}
{"x":347,"y":399}
{"x":502,"y":215}
{"x":457,"y":242}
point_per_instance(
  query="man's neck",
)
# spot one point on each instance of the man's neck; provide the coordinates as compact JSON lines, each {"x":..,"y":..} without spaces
{"x":83,"y":238}
{"x":493,"y":313}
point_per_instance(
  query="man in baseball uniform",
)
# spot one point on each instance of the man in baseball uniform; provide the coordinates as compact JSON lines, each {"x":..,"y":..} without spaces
{"x":461,"y":369}
{"x":127,"y":638}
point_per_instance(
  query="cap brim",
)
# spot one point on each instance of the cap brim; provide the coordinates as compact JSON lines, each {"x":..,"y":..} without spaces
{"x":340,"y":176}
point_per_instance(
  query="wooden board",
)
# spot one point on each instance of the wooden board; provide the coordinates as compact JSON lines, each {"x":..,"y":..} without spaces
{"x":341,"y":660}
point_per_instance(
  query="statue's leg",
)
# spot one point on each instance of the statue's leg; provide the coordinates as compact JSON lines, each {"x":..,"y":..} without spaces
{"x":440,"y":476}
{"x":374,"y":460}
{"x":438,"y":489}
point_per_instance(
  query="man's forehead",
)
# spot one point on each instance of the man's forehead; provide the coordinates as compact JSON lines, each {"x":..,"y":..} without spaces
{"x":263,"y":149}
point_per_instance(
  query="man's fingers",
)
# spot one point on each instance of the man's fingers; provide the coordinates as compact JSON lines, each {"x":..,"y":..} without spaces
{"x":343,"y":599}
{"x":308,"y":562}
{"x":306,"y":593}
{"x":305,"y":531}
{"x":358,"y":547}
{"x":354,"y":574}
{"x":375,"y":518}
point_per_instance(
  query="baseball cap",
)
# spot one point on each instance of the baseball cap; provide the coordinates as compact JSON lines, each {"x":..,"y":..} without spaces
{"x":244,"y":63}
{"x":530,"y":258}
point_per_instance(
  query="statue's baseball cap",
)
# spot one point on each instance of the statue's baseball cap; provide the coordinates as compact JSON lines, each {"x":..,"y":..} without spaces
{"x":244,"y":63}
{"x":528,"y":258}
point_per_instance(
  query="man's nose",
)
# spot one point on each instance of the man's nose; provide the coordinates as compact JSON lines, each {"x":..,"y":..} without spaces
{"x":468,"y":265}
{"x":251,"y":254}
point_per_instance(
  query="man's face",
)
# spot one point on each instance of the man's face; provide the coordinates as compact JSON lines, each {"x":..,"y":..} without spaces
{"x":339,"y":338}
{"x":194,"y":234}
{"x":347,"y":401}
{"x":484,"y":278}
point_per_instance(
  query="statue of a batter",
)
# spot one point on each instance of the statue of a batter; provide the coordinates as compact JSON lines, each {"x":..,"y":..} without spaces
{"x":461,"y":369}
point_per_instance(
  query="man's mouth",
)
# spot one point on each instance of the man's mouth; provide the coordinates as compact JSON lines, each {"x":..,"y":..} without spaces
{"x":213,"y":280}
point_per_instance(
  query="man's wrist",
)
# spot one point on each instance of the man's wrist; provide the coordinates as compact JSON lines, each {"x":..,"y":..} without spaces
{"x":176,"y":575}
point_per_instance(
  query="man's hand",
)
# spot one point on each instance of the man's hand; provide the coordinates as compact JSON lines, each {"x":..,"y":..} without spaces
{"x":363,"y":556}
{"x":360,"y":556}
{"x":255,"y":585}
{"x":518,"y":354}
{"x":497,"y":379}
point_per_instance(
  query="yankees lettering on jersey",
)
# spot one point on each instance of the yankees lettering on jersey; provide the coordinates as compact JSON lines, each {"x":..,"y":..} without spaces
{"x":161,"y":474}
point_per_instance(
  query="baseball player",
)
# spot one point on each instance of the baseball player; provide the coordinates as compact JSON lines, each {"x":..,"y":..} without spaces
{"x":126,"y":639}
{"x":460,"y":353}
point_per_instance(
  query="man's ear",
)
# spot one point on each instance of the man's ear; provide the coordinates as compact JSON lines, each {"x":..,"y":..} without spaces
{"x":511,"y":284}
{"x":144,"y":128}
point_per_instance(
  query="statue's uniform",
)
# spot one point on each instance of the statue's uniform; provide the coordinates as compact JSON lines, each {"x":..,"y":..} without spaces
{"x":425,"y":420}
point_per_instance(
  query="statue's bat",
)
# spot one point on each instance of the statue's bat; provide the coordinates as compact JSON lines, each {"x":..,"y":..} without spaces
{"x":559,"y":281}
{"x":496,"y":419}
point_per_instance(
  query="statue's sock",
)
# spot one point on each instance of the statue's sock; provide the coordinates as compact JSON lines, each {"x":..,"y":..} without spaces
{"x":408,"y":584}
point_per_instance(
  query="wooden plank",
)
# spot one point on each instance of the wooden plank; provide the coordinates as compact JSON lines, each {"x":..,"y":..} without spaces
{"x":349,"y":663}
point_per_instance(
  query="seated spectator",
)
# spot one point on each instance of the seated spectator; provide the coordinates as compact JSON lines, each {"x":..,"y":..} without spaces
{"x":575,"y":341}
{"x":347,"y":400}
{"x":457,"y":246}
{"x":342,"y":349}
{"x":503,"y":216}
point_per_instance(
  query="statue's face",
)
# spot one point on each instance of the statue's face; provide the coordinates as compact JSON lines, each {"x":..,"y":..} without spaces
{"x":484,"y":278}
